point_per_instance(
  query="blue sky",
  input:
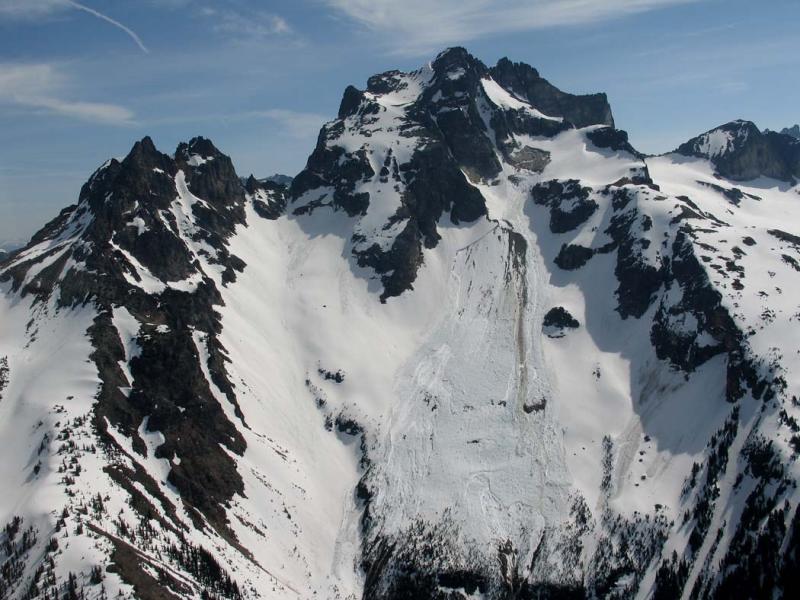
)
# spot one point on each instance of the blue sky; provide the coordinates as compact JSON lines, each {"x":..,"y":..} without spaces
{"x":81,"y":81}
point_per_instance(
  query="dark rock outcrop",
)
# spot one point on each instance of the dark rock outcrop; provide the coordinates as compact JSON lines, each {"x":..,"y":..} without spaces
{"x":268,"y":196}
{"x":733,"y":194}
{"x":435,"y":186}
{"x":684,"y":348}
{"x":525,"y":82}
{"x":557,"y":321}
{"x":613,"y":139}
{"x":351,"y":100}
{"x":573,"y":256}
{"x":456,"y":113}
{"x":569,"y":203}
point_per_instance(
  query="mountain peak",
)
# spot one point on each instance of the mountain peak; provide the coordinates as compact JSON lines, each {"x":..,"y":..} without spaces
{"x":351,"y":99}
{"x":144,"y":152}
{"x":144,"y":145}
{"x":722,"y":140}
{"x":525,"y":81}
{"x":505,"y":64}
{"x":741,"y":151}
{"x":138,"y":175}
{"x":455,"y":58}
{"x":457,"y":73}
{"x":456,"y":120}
{"x":197,"y":151}
{"x":793,"y":131}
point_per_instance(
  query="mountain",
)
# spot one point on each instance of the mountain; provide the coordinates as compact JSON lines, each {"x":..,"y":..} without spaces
{"x":281,"y":180}
{"x":480,"y":347}
{"x":740,"y":151}
{"x":792,"y":131}
{"x":9,"y":246}
{"x":284,"y":180}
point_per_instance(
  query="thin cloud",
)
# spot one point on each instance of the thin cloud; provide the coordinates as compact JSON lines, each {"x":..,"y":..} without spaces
{"x":39,"y":87}
{"x":27,"y":9}
{"x":36,"y":9}
{"x":258,"y":24}
{"x":712,"y":68}
{"x":422,"y":26}
{"x":296,"y":124}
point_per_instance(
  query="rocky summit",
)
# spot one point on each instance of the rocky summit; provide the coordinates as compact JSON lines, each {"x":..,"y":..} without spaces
{"x":793,"y":131}
{"x":479,"y":347}
{"x":740,"y":151}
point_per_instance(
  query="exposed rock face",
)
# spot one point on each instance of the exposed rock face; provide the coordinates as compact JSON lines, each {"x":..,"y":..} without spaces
{"x":269,"y":197}
{"x":557,"y":321}
{"x":740,"y":151}
{"x":569,"y":203}
{"x":526,"y":82}
{"x":614,"y":139}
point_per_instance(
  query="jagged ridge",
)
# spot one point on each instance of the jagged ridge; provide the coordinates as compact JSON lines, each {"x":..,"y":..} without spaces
{"x":578,"y":381}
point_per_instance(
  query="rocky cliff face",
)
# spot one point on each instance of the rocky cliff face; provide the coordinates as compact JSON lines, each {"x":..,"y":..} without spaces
{"x":525,"y":81}
{"x":479,"y":347}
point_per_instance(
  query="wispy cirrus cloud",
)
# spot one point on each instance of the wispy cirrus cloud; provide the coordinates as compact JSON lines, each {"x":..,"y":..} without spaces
{"x":422,"y":26}
{"x":40,"y":88}
{"x":256,"y":24}
{"x":35,"y":9}
{"x":26,"y":9}
{"x":296,"y":124}
{"x":227,"y":17}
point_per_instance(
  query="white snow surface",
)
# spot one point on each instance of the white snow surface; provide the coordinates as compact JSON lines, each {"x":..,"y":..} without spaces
{"x":716,"y":143}
{"x":440,"y":377}
{"x":196,"y":160}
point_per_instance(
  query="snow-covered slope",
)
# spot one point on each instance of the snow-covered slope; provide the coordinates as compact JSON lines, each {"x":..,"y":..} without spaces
{"x":479,"y":348}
